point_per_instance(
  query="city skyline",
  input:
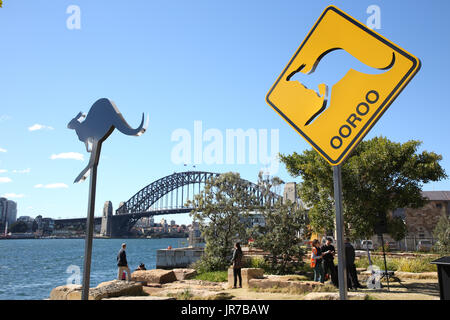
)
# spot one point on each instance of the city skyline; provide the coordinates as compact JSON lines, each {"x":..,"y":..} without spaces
{"x":183,"y":65}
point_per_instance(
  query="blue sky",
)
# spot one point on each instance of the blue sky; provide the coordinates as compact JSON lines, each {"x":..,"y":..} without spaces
{"x":178,"y":62}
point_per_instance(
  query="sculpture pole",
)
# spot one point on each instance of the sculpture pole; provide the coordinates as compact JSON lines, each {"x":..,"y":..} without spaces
{"x":93,"y":129}
{"x":90,"y":223}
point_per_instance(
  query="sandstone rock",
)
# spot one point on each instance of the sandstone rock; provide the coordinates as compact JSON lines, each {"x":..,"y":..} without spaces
{"x":154,"y":276}
{"x":60,"y":293}
{"x":413,"y":275}
{"x":283,"y":282}
{"x":184,"y":274}
{"x":247,"y":275}
{"x":195,"y":294}
{"x":108,"y":289}
{"x":141,"y":298}
{"x":334,"y":296}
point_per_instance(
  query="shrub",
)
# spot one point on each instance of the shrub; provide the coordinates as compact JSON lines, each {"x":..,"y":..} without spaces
{"x":415,"y":265}
{"x":208,"y":263}
{"x":256,"y":262}
{"x":418,"y":264}
{"x":442,"y":233}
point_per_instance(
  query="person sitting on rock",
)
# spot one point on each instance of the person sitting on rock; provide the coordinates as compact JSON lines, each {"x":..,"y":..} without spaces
{"x":141,"y":267}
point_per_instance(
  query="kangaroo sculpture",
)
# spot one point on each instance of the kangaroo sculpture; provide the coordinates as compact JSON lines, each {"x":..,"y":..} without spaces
{"x":96,"y":126}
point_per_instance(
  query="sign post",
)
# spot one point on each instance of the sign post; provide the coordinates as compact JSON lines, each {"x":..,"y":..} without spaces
{"x":335,"y":117}
{"x":342,"y":266}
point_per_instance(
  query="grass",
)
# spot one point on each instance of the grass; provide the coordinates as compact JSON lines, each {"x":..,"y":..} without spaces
{"x":297,"y":290}
{"x":213,"y":276}
{"x":416,"y":265}
{"x":187,"y":295}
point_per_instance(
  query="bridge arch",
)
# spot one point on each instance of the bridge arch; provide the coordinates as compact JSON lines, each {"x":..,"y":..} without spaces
{"x":142,"y":201}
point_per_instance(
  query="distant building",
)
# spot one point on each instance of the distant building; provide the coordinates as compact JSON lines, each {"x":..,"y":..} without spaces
{"x":45,"y":225}
{"x":290,"y":192}
{"x":421,"y":222}
{"x":28,"y":220}
{"x":8,"y":211}
{"x":195,"y":235}
{"x":3,"y":207}
{"x":38,"y":221}
{"x":172,"y":222}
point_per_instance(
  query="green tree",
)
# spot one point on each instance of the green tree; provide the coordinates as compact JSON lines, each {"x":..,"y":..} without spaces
{"x":442,"y":233}
{"x":18,"y":227}
{"x":280,"y":235}
{"x":378,"y":177}
{"x":221,"y":210}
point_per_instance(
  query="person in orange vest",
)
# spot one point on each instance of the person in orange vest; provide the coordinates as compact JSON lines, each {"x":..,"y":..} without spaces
{"x":316,"y":261}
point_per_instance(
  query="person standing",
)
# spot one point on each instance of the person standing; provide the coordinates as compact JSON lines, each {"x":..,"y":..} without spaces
{"x":237,"y":264}
{"x":316,"y":261}
{"x":352,"y":276}
{"x":328,"y":263}
{"x":122,"y":263}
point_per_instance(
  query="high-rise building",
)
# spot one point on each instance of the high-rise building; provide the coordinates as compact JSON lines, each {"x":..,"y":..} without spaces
{"x":11,"y":212}
{"x":3,"y":207}
{"x":8,"y":211}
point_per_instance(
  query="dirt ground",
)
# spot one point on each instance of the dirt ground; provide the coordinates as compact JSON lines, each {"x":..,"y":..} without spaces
{"x":413,"y":290}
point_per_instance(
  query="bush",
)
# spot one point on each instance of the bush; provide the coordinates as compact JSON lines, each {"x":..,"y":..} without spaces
{"x":363,"y":262}
{"x":416,"y":265}
{"x":442,"y":233}
{"x":256,"y":262}
{"x":419,"y":264}
{"x":209,"y":263}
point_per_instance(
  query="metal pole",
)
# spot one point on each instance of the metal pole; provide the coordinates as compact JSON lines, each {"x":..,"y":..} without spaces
{"x":385,"y":264}
{"x":89,"y":234}
{"x":342,"y":269}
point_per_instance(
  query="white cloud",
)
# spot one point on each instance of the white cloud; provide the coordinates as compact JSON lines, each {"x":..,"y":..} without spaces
{"x":5,"y":179}
{"x":13,"y":195}
{"x":4,"y":117}
{"x":37,"y":126}
{"x":68,"y":155}
{"x":52,"y":186}
{"x":3,"y":170}
{"x":28,"y":170}
{"x":3,"y":150}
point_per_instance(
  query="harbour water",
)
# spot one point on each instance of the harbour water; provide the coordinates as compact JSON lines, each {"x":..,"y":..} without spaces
{"x":30,"y":269}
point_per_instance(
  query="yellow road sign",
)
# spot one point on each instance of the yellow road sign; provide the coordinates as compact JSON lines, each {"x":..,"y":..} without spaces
{"x":334,"y":119}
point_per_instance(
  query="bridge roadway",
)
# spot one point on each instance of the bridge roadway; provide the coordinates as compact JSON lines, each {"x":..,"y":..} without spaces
{"x":171,"y":187}
{"x":120,"y":222}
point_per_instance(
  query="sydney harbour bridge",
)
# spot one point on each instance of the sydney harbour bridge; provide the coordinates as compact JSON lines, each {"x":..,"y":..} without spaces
{"x":164,"y":196}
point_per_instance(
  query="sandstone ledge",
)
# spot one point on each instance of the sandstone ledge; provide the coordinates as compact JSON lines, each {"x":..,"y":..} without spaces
{"x":114,"y":288}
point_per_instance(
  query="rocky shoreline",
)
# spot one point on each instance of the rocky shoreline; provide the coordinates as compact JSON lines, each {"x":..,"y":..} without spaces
{"x":160,"y":284}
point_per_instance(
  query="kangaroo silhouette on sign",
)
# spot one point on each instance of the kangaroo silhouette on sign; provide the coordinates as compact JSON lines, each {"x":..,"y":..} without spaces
{"x":325,"y":86}
{"x":98,"y":124}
